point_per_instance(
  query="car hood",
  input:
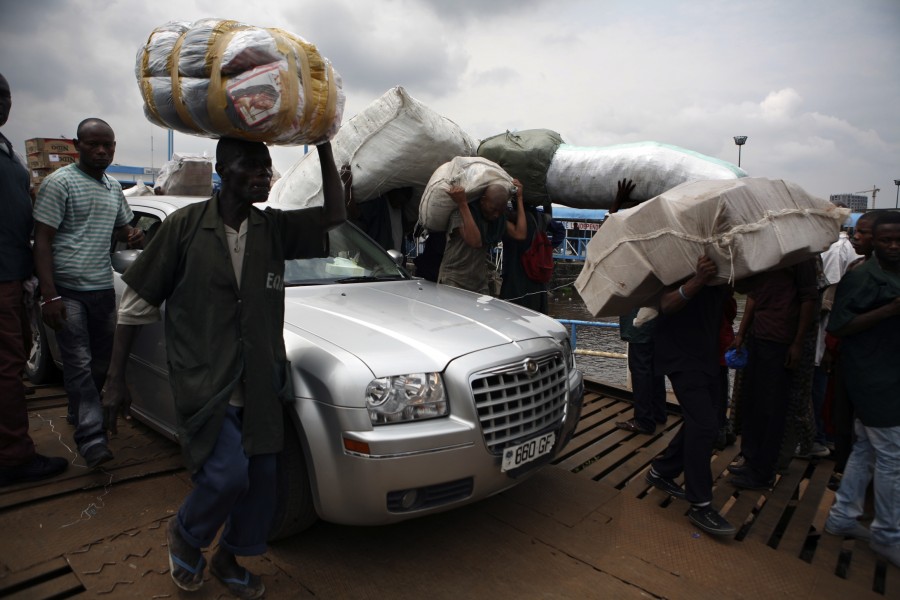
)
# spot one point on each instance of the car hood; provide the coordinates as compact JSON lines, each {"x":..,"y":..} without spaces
{"x":417,"y":326}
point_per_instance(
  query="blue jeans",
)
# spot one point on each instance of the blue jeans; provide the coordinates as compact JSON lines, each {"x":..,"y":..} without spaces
{"x":85,"y":347}
{"x":233,"y":489}
{"x":876,"y":450}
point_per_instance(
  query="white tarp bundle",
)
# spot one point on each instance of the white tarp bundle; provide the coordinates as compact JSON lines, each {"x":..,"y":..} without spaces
{"x":218,"y":78}
{"x":746,"y":226}
{"x":394,"y":142}
{"x":584,"y":177}
{"x":473,"y":173}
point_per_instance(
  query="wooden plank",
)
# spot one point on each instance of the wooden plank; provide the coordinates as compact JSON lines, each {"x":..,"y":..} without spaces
{"x":862,"y":563}
{"x":776,"y":502}
{"x":599,"y":413}
{"x":798,"y":528}
{"x":55,"y":567}
{"x":628,"y":444}
{"x":66,"y":586}
{"x":643,"y":456}
{"x":604,"y":435}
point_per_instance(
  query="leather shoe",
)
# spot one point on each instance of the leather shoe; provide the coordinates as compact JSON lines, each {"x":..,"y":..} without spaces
{"x":96,"y":455}
{"x":632,"y":426}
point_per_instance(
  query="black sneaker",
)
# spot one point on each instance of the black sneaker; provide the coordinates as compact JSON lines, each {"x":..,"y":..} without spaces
{"x":739,"y":469}
{"x":710,"y":521}
{"x":664,"y":483}
{"x":39,"y":467}
{"x":96,"y":455}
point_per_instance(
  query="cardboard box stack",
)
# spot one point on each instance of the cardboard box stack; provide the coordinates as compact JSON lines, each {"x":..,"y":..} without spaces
{"x":45,"y":155}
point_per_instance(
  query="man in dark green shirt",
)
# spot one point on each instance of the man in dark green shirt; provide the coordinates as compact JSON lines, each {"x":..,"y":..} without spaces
{"x":225,"y":349}
{"x":866,"y":316}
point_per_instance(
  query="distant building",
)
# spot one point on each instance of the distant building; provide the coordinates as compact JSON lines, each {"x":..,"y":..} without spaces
{"x":854,"y":202}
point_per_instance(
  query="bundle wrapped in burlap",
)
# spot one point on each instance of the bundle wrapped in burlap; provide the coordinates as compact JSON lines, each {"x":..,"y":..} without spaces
{"x":472,"y":173}
{"x":746,"y":226}
{"x":217,"y":78}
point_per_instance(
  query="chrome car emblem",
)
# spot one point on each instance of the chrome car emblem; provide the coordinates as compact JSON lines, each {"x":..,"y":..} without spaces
{"x":531,"y":367}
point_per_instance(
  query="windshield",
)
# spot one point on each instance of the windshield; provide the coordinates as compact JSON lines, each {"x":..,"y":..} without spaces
{"x":352,"y":257}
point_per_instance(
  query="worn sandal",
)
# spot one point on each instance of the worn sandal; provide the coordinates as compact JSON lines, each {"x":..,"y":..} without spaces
{"x":186,"y":576}
{"x":248,"y":587}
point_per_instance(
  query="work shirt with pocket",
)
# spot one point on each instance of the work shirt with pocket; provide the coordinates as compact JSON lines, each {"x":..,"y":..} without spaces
{"x":220,"y":334}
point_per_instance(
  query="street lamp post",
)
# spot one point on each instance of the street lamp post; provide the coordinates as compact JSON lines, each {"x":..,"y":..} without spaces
{"x":740,"y":140}
{"x":897,"y":201}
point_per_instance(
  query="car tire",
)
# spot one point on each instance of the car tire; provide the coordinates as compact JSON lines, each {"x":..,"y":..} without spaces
{"x":39,"y":366}
{"x":295,"y":509}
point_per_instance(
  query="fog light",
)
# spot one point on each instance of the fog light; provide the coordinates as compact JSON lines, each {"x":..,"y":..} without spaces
{"x":409,"y":499}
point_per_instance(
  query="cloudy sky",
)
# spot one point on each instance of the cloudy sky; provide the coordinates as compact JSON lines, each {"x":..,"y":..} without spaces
{"x":815,"y":84}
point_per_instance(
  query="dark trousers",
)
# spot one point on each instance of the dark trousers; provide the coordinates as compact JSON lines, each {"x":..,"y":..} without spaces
{"x":649,"y":390}
{"x":690,"y":450}
{"x":234,"y":490}
{"x":16,"y":447}
{"x":765,"y":398}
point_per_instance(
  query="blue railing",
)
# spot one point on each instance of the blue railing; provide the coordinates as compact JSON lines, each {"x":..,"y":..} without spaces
{"x":573,"y":325}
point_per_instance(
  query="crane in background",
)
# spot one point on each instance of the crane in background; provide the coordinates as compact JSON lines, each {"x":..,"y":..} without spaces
{"x":873,"y":191}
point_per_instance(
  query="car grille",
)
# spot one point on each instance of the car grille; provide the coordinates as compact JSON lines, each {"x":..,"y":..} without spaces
{"x":514,"y":405}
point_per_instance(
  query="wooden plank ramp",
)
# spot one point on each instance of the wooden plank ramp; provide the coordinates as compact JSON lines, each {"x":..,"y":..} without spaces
{"x":788,"y":519}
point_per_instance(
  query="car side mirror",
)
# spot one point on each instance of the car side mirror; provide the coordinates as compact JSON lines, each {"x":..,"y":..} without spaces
{"x":396,"y":257}
{"x":122,"y":259}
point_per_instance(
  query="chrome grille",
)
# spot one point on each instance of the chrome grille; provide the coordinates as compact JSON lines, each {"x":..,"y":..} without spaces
{"x":513,"y":404}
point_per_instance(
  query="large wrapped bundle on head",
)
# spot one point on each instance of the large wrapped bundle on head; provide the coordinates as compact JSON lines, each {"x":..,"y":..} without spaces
{"x":584,"y":177}
{"x":218,"y":78}
{"x":472,"y":173}
{"x":395,"y":142}
{"x":526,"y":156}
{"x":746,"y":226}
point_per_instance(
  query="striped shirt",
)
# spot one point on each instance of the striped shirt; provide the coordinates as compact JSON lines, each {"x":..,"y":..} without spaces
{"x":84,"y":212}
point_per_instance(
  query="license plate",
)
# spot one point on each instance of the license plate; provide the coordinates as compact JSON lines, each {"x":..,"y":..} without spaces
{"x":516,"y":456}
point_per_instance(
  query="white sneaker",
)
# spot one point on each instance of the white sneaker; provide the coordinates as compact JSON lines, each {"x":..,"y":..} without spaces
{"x":819,"y":450}
{"x":857,"y":531}
{"x":889,"y":553}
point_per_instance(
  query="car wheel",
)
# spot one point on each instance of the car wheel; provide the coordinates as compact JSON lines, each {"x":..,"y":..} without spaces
{"x":295,"y":510}
{"x":40,"y":367}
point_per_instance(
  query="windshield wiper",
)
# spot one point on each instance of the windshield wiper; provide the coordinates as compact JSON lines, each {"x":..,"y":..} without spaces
{"x":367,"y":278}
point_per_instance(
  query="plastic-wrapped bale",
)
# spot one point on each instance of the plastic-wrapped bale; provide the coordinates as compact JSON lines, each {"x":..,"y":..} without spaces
{"x":395,"y":142}
{"x":217,"y":78}
{"x":746,"y":226}
{"x":526,"y":155}
{"x":474,"y":174}
{"x":584,"y":177}
{"x":186,"y":175}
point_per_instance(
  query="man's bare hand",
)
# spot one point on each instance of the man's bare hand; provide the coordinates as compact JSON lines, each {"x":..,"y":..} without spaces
{"x":624,"y":189}
{"x":136,"y":238}
{"x":54,"y":314}
{"x":706,"y":270}
{"x":520,"y":189}
{"x":116,"y":401}
{"x":457,"y":194}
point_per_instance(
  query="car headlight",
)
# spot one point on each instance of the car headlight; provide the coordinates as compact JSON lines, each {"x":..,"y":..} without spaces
{"x":568,"y":354}
{"x":404,"y":398}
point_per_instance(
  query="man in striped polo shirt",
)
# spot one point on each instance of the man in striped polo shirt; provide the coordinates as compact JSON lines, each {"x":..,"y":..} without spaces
{"x":78,"y":210}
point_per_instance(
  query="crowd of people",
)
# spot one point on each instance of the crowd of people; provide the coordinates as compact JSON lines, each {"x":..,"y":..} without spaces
{"x":822,"y":337}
